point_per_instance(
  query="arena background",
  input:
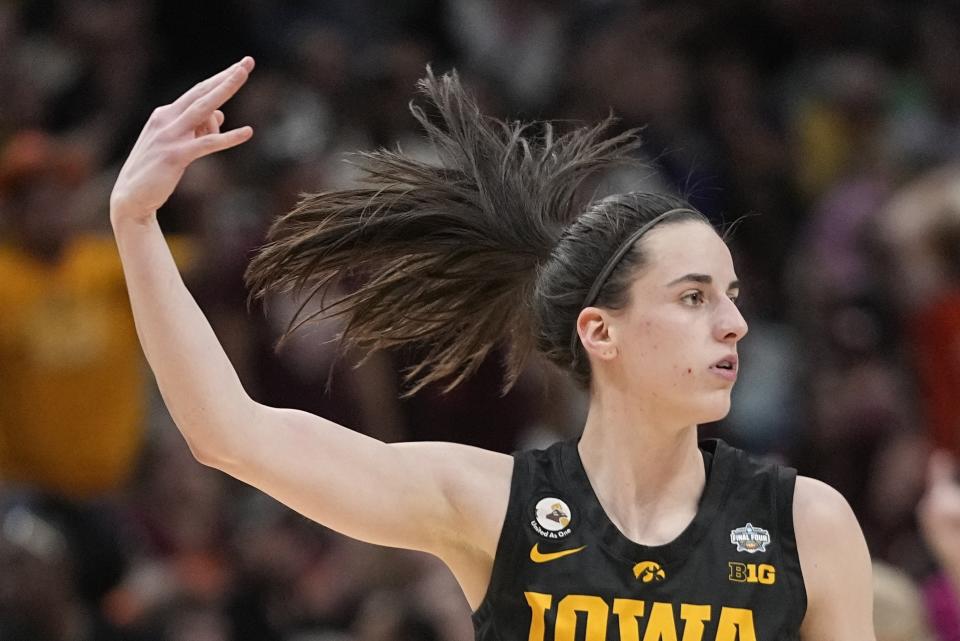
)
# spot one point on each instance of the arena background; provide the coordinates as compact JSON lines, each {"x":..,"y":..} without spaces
{"x":833,"y":127}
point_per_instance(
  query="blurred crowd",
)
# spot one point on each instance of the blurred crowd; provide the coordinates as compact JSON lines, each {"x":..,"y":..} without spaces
{"x":825,"y":134}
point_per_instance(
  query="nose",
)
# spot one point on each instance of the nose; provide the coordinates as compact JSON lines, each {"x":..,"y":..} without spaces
{"x":730,"y":324}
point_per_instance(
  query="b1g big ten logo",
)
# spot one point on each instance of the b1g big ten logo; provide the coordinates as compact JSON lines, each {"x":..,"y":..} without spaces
{"x":552,"y":517}
{"x":764,"y":573}
{"x":585,"y":617}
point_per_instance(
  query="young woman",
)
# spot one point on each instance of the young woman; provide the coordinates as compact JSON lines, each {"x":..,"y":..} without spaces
{"x":634,"y":530}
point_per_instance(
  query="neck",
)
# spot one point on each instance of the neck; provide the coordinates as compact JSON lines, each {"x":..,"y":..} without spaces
{"x":646,"y":470}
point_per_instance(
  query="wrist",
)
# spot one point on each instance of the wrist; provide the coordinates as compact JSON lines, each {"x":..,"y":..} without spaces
{"x":123,"y":216}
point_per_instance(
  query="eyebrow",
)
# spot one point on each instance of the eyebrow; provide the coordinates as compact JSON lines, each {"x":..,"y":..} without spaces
{"x":702,"y":278}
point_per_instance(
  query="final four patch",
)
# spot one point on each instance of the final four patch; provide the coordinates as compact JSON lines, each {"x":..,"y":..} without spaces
{"x":750,"y":539}
{"x":552,"y":517}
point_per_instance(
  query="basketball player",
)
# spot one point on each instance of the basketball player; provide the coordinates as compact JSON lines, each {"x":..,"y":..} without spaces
{"x":634,"y":530}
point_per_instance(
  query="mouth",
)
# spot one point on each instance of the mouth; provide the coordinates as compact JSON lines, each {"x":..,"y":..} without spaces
{"x":726,"y":367}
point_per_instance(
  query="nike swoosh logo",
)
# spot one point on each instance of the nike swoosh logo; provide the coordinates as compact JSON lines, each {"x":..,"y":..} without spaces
{"x":542,"y":557}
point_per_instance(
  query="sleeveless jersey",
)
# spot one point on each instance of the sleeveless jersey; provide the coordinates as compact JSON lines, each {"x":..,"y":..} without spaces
{"x":564,"y":572}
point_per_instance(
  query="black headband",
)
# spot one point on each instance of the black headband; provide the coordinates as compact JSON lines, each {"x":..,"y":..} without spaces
{"x":614,"y":260}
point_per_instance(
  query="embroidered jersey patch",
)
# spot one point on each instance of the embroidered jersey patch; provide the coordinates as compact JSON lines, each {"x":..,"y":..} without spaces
{"x":552,"y":518}
{"x":750,"y":539}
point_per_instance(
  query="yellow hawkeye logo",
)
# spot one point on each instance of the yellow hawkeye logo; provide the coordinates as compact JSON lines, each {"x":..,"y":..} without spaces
{"x":542,"y":557}
{"x":649,"y":572}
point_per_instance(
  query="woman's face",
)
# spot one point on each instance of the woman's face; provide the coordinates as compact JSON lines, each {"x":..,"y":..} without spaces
{"x":681,"y":321}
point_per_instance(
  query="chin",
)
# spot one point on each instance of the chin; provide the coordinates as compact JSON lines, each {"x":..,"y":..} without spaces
{"x":714,"y":408}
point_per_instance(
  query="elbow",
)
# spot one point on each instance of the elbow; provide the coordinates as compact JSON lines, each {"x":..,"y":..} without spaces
{"x":220,"y":456}
{"x":211,"y":442}
{"x":206,"y":453}
{"x":199,"y":432}
{"x":222,"y":443}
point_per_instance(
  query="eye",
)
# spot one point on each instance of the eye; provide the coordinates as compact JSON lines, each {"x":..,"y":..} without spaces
{"x":696,"y":297}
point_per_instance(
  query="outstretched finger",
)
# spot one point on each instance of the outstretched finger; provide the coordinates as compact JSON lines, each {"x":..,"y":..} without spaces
{"x":212,"y":143}
{"x":203,"y":107}
{"x":204,"y":86}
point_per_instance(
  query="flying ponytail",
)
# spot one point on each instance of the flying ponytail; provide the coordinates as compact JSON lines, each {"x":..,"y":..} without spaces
{"x":444,"y":256}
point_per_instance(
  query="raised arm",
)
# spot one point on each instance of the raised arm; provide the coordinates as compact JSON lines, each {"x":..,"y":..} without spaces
{"x":404,"y":495}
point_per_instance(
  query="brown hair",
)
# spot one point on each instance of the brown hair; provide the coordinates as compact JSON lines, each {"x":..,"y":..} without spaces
{"x":493,"y":246}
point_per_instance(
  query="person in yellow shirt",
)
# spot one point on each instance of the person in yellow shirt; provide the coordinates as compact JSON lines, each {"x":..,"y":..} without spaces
{"x":72,"y":390}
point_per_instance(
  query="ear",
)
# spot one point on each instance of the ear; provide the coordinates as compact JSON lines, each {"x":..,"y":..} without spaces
{"x":596,"y":333}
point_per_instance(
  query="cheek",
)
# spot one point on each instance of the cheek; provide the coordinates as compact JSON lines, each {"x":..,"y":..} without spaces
{"x":681,"y":370}
{"x":683,"y":374}
{"x":661,"y":353}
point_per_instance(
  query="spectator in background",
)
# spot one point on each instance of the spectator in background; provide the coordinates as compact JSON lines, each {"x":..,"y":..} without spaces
{"x":40,"y":595}
{"x":73,"y":394}
{"x":919,"y":231}
{"x":898,"y":607}
{"x":939,"y":515}
{"x":72,"y":390}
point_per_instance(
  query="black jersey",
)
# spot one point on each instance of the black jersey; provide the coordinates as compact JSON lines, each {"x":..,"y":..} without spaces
{"x":564,"y":572}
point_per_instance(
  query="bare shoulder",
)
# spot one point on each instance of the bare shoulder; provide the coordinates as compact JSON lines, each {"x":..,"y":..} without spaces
{"x":835,"y":563}
{"x":817,"y":504}
{"x":826,"y":528}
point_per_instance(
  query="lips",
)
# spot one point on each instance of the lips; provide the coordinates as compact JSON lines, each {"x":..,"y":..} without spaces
{"x":729,"y":362}
{"x":726,"y":367}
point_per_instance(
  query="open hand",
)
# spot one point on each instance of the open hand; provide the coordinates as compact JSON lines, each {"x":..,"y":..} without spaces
{"x":175,"y":136}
